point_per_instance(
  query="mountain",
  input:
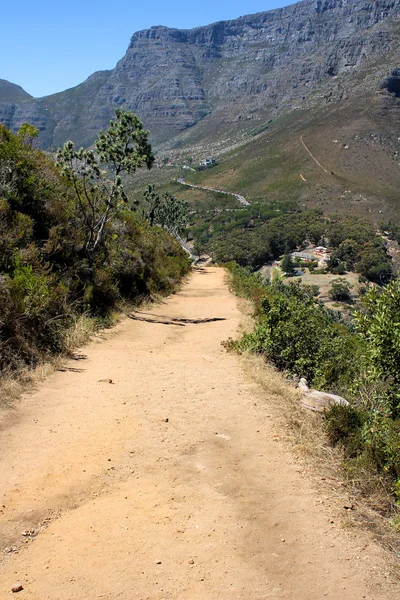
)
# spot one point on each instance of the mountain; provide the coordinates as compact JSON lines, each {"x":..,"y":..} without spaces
{"x":10,"y":97}
{"x":228,"y":76}
{"x":10,"y":92}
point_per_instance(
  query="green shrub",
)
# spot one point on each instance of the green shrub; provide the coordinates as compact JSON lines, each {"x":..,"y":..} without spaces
{"x":359,"y":359}
{"x":318,"y":271}
{"x":343,"y":425}
{"x":381,"y":436}
{"x":378,"y":322}
{"x":246,"y":283}
{"x":339,"y":270}
{"x":299,"y":335}
{"x":308,"y":264}
{"x":47,"y":277}
{"x":340,"y":290}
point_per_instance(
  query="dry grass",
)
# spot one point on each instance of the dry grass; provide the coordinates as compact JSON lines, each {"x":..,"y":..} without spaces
{"x":13,"y":384}
{"x":82,"y":330}
{"x":305,"y":427}
{"x":25,"y":379}
{"x":79,"y":333}
{"x":324,"y":283}
{"x":302,"y":428}
{"x":303,"y":432}
{"x":246,"y":308}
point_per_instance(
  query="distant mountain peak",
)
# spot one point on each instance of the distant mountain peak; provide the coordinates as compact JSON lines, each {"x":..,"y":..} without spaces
{"x":12,"y":92}
{"x":252,"y":68}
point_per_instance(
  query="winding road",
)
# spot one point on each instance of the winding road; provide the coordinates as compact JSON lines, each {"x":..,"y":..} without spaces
{"x":241,"y":199}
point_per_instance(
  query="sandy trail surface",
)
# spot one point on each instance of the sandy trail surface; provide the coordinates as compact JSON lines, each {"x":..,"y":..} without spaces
{"x":169,"y":482}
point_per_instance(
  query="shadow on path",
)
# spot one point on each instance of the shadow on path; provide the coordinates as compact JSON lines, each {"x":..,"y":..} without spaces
{"x":163,"y":320}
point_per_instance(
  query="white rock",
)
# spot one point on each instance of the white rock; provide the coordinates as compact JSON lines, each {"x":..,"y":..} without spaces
{"x":319,"y":401}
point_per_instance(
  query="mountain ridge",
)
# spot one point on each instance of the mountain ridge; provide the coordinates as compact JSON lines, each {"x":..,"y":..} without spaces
{"x":246,"y":69}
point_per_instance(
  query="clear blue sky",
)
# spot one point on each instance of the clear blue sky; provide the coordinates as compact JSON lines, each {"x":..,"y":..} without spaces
{"x":49,"y":46}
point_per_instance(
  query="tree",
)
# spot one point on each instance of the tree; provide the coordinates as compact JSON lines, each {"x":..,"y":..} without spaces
{"x":375,"y":264}
{"x":172,"y":214}
{"x":100,"y":195}
{"x":339,"y":269}
{"x":340,"y":290}
{"x":152,"y":200}
{"x":28,"y":133}
{"x":287,"y":265}
{"x":346,"y":253}
{"x":167,"y":210}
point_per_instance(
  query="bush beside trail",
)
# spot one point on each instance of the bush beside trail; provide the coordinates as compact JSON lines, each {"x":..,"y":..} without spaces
{"x":357,"y":359}
{"x":48,"y":277}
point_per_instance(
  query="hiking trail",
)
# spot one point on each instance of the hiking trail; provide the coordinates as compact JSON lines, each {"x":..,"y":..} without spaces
{"x":151,"y":468}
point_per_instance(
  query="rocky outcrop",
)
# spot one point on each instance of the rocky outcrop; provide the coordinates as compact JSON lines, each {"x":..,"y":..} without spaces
{"x":392,"y":83}
{"x":270,"y":62}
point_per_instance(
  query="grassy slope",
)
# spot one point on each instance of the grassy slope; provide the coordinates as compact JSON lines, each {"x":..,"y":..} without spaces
{"x":367,"y":171}
{"x":362,"y":178}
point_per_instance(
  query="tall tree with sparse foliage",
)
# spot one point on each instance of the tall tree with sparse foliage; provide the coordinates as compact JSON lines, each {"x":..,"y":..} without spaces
{"x":123,"y":148}
{"x":166,"y":210}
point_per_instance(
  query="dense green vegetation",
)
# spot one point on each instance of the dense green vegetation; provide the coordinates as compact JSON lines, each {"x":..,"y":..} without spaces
{"x":367,"y":257}
{"x":165,"y":210}
{"x":69,"y":245}
{"x":262,"y":232}
{"x":340,"y":290}
{"x":358,"y":359}
{"x":297,"y":333}
{"x":253,"y":235}
{"x":392,"y":227}
{"x":287,"y":265}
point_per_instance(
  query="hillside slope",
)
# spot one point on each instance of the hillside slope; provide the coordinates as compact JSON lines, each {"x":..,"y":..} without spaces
{"x":354,"y":167}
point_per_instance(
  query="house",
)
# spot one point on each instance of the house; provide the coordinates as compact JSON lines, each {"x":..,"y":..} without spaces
{"x":208,"y":162}
{"x":303,"y":255}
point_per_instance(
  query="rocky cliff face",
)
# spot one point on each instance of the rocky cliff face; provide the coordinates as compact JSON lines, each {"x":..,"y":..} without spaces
{"x":312,"y":51}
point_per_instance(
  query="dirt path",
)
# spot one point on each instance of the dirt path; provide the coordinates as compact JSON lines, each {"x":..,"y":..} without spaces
{"x":167,"y":483}
{"x":312,"y":155}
